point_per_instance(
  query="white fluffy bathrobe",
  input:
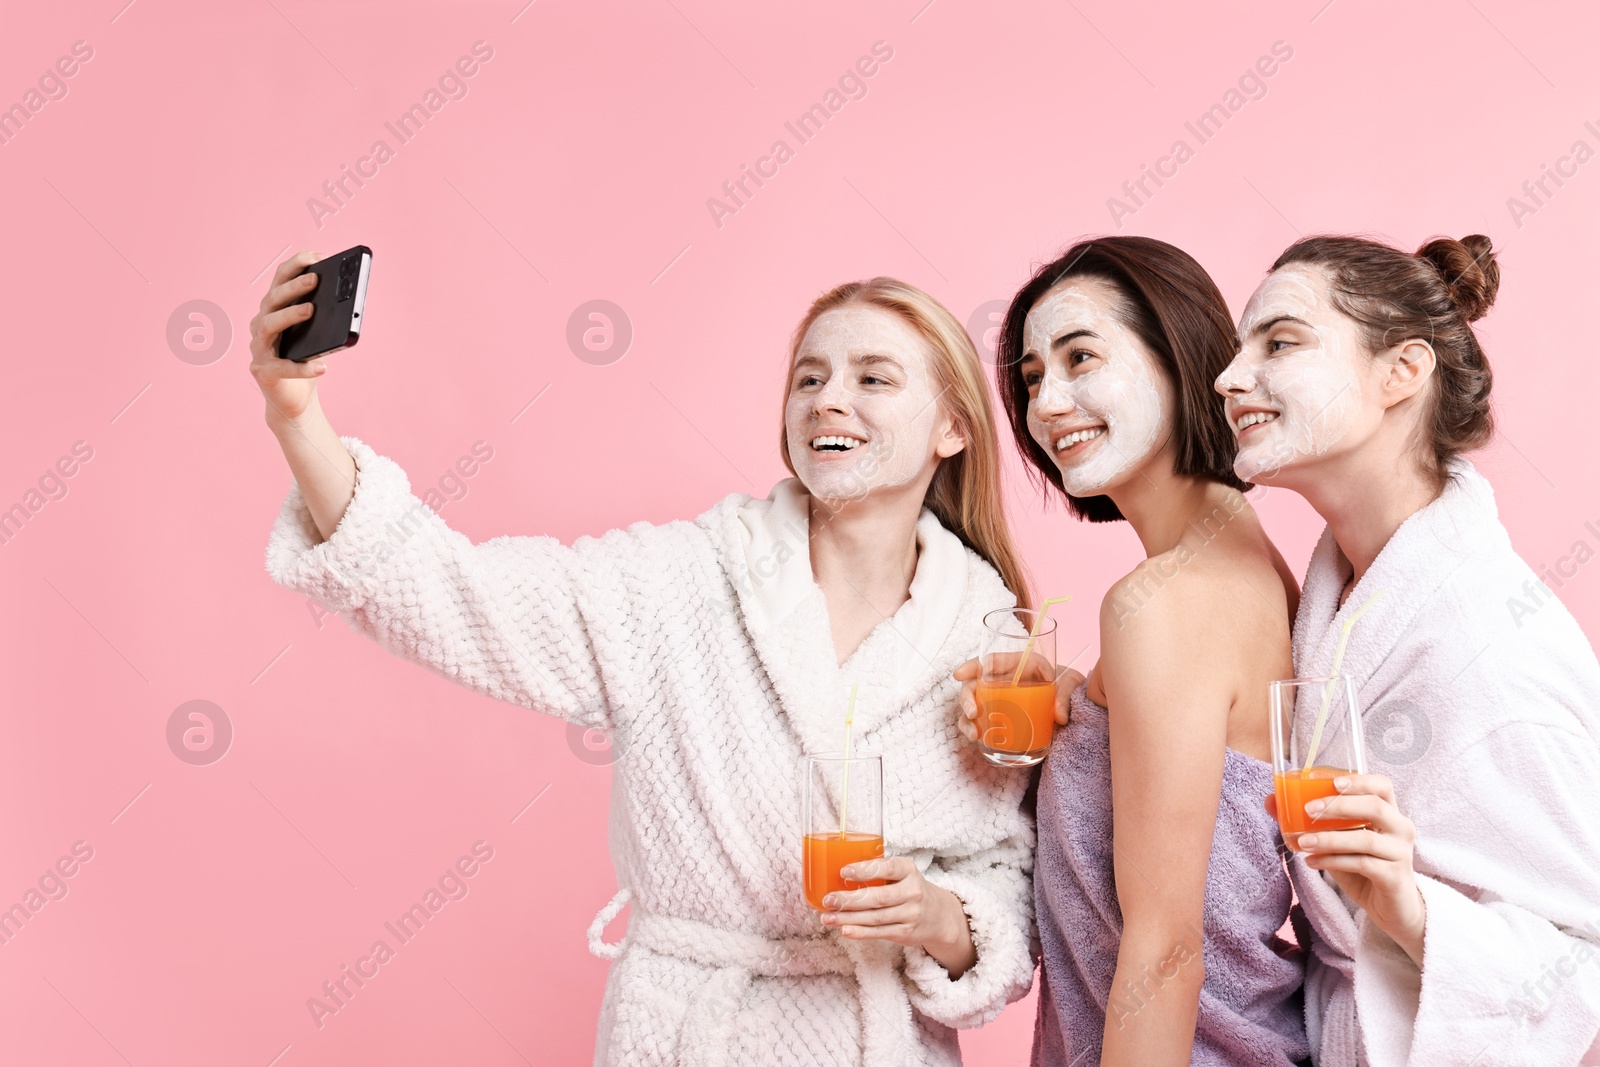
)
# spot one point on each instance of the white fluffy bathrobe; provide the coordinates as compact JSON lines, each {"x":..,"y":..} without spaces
{"x":1487,"y":718}
{"x":704,"y":649}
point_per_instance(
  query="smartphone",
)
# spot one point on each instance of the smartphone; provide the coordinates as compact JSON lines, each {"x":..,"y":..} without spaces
{"x":336,"y":305}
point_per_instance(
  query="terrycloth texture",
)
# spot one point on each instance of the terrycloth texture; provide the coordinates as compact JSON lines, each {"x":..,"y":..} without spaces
{"x":1250,"y":1010}
{"x":704,"y":649}
{"x":1485,"y":717}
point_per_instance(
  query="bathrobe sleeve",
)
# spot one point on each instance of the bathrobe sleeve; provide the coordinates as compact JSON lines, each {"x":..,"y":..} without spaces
{"x":1512,"y":943}
{"x":512,"y":618}
{"x":996,"y":889}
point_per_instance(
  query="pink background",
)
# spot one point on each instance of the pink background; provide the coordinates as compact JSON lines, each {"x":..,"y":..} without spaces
{"x":177,"y":168}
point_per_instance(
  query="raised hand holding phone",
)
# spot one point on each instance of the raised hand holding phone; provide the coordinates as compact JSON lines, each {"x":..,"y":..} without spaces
{"x":322,"y":466}
{"x":337,"y":299}
{"x":289,"y":387}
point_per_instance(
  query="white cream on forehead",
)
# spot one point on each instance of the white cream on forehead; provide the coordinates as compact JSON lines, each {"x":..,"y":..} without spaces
{"x":899,"y":426}
{"x":1122,"y":392}
{"x":1314,"y":387}
{"x":860,"y":330}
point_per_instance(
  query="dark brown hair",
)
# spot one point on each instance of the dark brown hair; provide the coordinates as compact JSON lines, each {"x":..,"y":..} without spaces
{"x":1433,"y":295}
{"x":1174,"y":307}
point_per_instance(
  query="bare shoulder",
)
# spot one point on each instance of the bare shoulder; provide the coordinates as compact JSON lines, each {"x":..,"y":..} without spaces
{"x":1209,"y":619}
{"x":1178,"y":588}
{"x":1204,"y":591}
{"x":1158,"y":638}
{"x":1152,"y":606}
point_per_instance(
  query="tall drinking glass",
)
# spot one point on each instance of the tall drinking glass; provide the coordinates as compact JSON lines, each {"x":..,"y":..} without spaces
{"x":1016,"y":710}
{"x":1300,"y":775}
{"x":842,"y":820}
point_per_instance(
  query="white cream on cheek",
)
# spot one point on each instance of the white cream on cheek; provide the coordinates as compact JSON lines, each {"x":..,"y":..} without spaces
{"x":1316,"y":387}
{"x":897,"y":421}
{"x":1123,"y":391}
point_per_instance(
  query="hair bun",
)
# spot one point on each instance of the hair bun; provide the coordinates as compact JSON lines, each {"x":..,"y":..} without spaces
{"x":1469,"y":271}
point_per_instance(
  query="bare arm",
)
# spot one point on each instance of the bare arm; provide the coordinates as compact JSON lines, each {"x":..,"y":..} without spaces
{"x":321,"y":465}
{"x":1169,"y":691}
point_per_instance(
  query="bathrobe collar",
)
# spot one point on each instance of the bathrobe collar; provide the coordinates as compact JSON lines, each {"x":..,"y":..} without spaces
{"x":767,"y":547}
{"x":1421,"y":556}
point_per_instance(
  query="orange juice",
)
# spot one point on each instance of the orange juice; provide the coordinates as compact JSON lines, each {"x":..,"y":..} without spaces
{"x":1294,"y":790}
{"x":1016,"y":718}
{"x":826,"y":854}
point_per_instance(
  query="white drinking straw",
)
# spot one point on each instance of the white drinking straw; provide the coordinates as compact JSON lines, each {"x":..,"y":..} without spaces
{"x":1327,"y":692}
{"x":844,"y":800}
{"x":1033,"y":635}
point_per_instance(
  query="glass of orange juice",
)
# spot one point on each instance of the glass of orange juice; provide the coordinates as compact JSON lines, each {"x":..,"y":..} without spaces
{"x":1016,"y":708}
{"x":1297,"y":704}
{"x":842,"y":811}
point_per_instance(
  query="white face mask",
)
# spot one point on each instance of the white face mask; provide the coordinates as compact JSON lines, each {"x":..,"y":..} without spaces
{"x":864,"y":411}
{"x":1099,"y":403}
{"x":1296,"y":381}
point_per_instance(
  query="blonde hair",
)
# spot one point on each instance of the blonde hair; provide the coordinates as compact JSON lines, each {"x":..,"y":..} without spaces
{"x":965,"y":492}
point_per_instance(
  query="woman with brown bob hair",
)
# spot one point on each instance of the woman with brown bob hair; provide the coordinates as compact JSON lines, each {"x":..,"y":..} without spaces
{"x":1161,"y":948}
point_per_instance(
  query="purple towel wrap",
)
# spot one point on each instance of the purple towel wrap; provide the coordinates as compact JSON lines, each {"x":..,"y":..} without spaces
{"x":1250,"y":1005}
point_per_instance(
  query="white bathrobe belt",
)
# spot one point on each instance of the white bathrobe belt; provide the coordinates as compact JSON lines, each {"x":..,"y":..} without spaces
{"x":737,"y":958}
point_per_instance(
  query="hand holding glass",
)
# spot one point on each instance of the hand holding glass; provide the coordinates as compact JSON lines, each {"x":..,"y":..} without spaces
{"x":842,"y":816}
{"x":1306,"y":760}
{"x":1016,"y":691}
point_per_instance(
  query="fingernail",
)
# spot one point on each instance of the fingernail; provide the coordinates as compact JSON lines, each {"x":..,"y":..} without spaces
{"x":831,"y":902}
{"x":1308,"y":840}
{"x":1341,"y":783}
{"x":1314,"y":808}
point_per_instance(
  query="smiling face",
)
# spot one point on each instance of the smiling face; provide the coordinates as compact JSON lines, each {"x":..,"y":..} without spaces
{"x":863,"y":413}
{"x":1098,"y":401}
{"x":1298,"y":389}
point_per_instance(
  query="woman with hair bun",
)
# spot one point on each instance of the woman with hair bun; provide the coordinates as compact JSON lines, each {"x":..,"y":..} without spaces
{"x":1466,"y":930}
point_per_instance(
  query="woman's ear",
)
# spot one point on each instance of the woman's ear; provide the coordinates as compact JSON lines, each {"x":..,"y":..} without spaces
{"x":1407,"y":368}
{"x":951,"y":440}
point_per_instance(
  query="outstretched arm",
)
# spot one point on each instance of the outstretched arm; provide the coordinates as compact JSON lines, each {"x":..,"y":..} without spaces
{"x":515,"y":618}
{"x":507,"y":618}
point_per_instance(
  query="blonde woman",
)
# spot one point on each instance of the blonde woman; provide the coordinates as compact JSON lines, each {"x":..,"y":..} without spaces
{"x":720,"y":651}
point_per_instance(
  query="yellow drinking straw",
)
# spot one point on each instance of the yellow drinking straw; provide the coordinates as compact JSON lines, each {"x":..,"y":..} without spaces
{"x":844,"y":800}
{"x":1327,"y":692}
{"x":1033,"y":635}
